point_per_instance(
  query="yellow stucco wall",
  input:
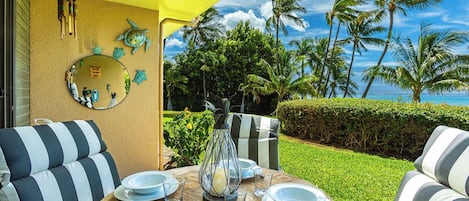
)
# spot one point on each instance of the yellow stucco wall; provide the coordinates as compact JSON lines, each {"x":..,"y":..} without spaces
{"x":130,"y":129}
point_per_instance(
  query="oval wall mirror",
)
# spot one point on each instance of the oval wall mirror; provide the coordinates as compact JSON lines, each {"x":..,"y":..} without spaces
{"x":98,"y":82}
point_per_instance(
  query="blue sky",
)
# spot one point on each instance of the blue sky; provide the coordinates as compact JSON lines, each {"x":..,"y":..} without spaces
{"x":449,"y":14}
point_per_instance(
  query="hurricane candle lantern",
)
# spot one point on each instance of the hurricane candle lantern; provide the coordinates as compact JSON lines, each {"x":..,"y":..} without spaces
{"x":220,"y":173}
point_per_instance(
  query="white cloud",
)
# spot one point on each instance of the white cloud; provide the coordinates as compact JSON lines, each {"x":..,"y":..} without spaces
{"x":372,"y":47}
{"x":310,"y":33}
{"x":313,"y":7}
{"x":365,"y":7}
{"x":319,"y":32}
{"x":442,"y":27}
{"x":389,"y":63}
{"x":348,"y":50}
{"x":174,"y":42}
{"x":317,"y":6}
{"x":367,"y":64}
{"x":179,"y":33}
{"x":230,"y":20}
{"x":429,"y":14}
{"x":462,"y":49}
{"x":239,"y":4}
{"x":266,"y":12}
{"x":404,"y":26}
{"x":296,"y":26}
{"x":454,"y":20}
{"x":323,"y":6}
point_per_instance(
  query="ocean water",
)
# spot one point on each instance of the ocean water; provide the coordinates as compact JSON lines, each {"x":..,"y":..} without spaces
{"x":450,"y":99}
{"x":384,"y":91}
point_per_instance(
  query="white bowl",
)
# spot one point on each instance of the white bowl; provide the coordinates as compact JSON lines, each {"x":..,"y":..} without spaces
{"x":145,"y":182}
{"x":247,"y":167}
{"x":246,"y":163}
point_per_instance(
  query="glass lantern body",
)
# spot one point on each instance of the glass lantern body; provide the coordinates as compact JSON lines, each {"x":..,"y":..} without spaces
{"x":220,"y":173}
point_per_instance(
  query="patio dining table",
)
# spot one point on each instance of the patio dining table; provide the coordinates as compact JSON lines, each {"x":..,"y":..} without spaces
{"x":193,"y":191}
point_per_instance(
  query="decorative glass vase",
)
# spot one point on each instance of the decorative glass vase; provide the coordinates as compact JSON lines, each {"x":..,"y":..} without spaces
{"x":220,"y":173}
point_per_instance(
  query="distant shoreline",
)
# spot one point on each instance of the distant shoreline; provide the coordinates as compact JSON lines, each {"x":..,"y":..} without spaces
{"x":450,"y":99}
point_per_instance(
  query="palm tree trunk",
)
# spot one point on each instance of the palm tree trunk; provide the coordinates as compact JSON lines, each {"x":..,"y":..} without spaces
{"x":302,"y":73}
{"x":241,"y":108}
{"x":276,"y":45}
{"x":350,"y":69}
{"x":205,"y":89}
{"x":327,"y":82}
{"x":330,"y":60}
{"x":170,"y":104}
{"x":323,"y":66}
{"x":280,"y":99}
{"x":302,"y":68}
{"x":380,"y":60}
{"x":330,"y":94}
{"x":416,"y":96}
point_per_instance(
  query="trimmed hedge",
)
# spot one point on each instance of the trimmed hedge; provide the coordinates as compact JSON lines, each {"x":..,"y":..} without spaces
{"x":386,"y":128}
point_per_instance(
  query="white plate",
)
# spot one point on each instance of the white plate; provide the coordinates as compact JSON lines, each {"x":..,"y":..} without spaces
{"x":125,"y":194}
{"x":294,"y":192}
{"x":247,"y":167}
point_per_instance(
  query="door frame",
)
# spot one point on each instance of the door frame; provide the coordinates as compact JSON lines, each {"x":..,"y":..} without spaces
{"x":7,"y":58}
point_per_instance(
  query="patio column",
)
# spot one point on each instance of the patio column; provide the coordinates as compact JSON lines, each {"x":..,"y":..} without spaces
{"x":160,"y":75}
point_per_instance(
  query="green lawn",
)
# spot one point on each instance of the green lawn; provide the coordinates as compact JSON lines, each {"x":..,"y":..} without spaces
{"x":168,"y":115}
{"x":343,"y":174}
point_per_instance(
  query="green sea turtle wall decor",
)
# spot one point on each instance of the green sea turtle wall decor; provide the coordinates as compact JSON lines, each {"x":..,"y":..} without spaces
{"x":118,"y":53}
{"x":97,"y":50}
{"x":140,"y":76}
{"x":135,"y":37}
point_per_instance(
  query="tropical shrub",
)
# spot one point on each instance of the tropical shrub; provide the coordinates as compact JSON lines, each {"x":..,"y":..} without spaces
{"x":379,"y":127}
{"x":187,"y":135}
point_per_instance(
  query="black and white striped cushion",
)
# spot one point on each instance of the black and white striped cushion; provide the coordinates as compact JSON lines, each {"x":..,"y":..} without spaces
{"x":445,"y":158}
{"x":416,"y":186}
{"x":30,"y":149}
{"x":252,"y":126}
{"x":57,"y":161}
{"x":87,"y":179}
{"x":264,"y":151}
{"x":256,"y":138}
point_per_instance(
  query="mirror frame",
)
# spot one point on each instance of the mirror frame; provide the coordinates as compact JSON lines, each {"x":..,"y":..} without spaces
{"x":94,"y":78}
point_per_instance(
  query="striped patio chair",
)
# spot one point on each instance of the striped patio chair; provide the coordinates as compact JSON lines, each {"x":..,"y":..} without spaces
{"x":256,"y":138}
{"x":442,"y":171}
{"x":56,"y":161}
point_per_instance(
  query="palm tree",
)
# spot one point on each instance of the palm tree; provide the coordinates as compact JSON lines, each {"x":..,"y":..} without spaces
{"x":173,"y":80}
{"x":392,"y":6}
{"x":302,"y":52}
{"x":336,"y":77}
{"x":431,"y":65}
{"x":280,"y":84}
{"x":206,"y":29}
{"x":343,"y":10}
{"x":283,"y":10}
{"x":316,"y":55}
{"x":208,"y":60}
{"x":361,"y":32}
{"x":339,"y":81}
